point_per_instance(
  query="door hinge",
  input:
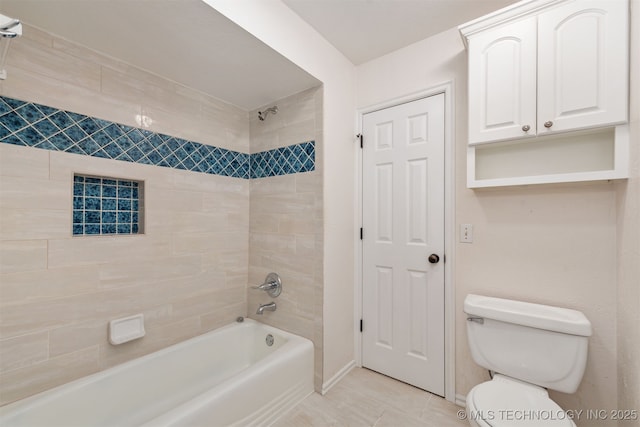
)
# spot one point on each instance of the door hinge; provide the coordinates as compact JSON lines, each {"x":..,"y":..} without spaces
{"x":360,"y":137}
{"x":361,"y":233}
{"x":360,"y":325}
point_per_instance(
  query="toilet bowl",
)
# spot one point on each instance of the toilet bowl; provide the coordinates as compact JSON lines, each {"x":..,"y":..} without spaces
{"x":528,"y":348}
{"x":505,"y":401}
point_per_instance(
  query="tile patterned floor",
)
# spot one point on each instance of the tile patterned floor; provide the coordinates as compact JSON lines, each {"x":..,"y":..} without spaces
{"x":366,"y":398}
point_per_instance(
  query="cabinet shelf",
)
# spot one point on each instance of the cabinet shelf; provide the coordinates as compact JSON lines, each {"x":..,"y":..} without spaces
{"x":574,"y":157}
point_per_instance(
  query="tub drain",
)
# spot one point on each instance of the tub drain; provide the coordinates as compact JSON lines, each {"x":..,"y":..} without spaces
{"x":269,"y":340}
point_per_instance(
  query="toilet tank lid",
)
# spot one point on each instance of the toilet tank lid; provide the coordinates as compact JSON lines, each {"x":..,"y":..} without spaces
{"x":539,"y":316}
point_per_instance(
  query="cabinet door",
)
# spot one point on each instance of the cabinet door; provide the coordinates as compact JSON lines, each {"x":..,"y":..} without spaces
{"x":582,"y":65}
{"x":502,"y":83}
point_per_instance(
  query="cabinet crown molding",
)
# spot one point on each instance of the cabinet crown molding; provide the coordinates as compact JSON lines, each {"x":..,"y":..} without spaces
{"x":502,"y":16}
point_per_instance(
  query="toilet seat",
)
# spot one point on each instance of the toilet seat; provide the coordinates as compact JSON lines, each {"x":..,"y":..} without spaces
{"x":505,"y":401}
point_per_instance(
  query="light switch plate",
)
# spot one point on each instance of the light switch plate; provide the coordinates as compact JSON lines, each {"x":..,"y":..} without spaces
{"x":466,"y":233}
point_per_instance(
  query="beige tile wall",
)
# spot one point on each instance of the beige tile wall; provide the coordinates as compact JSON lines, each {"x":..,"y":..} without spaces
{"x":187,"y":273}
{"x":286,"y":223}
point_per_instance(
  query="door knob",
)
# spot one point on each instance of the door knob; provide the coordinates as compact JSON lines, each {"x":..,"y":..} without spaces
{"x":433,"y":258}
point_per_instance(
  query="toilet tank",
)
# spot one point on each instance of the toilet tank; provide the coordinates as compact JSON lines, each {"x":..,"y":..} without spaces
{"x":539,"y":344}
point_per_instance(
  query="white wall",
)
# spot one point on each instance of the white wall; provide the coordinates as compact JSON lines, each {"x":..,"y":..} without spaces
{"x":284,"y":31}
{"x":628,"y":210}
{"x":553,"y":244}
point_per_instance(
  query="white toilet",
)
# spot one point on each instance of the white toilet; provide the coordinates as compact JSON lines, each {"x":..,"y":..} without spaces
{"x":528,"y":348}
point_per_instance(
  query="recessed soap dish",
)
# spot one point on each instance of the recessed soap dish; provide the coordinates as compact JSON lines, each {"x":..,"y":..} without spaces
{"x":126,"y":329}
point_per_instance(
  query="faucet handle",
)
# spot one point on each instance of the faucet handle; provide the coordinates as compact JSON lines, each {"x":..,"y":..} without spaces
{"x":272,"y":285}
{"x":266,"y":286}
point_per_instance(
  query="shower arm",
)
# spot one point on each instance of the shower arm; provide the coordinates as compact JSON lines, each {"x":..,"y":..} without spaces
{"x":271,"y":110}
{"x":10,"y":24}
{"x":8,"y":34}
{"x":10,"y":29}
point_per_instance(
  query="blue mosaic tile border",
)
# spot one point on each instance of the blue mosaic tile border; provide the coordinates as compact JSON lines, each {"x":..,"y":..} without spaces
{"x":106,"y":206}
{"x":35,"y":125}
{"x":284,"y":161}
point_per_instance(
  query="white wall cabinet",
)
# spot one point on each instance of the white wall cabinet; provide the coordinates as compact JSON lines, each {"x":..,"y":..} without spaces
{"x":583,"y":65}
{"x":544,"y":69}
{"x":502,"y":83}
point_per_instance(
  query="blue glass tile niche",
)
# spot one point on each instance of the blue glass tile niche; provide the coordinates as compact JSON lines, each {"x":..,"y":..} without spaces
{"x":35,"y":125}
{"x":105,"y":206}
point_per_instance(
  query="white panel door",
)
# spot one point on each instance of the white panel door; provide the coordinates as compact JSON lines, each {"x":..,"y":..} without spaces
{"x":502,"y":83}
{"x":403,"y":221}
{"x":582,"y":65}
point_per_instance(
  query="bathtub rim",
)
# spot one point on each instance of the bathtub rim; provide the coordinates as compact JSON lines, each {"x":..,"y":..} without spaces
{"x":16,"y":408}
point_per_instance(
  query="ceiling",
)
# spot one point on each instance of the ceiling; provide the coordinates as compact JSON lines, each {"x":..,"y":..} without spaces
{"x":189,"y":42}
{"x":366,"y":29}
{"x":186,"y":41}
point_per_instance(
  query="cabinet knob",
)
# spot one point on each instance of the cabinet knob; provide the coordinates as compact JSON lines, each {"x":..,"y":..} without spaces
{"x":526,"y":128}
{"x":548,"y":124}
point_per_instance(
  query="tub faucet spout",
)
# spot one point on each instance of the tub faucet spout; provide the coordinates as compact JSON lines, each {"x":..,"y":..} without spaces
{"x":266,"y":307}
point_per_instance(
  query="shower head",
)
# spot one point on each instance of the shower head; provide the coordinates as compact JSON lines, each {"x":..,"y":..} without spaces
{"x":9,"y":29}
{"x":263,"y":114}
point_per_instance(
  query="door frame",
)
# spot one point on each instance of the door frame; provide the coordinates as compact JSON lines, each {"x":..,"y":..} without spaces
{"x":447,"y":88}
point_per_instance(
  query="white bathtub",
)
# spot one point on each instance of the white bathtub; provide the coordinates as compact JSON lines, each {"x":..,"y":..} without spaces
{"x":227,"y":377}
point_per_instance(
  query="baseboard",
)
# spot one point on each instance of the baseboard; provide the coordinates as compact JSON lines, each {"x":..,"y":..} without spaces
{"x":337,"y":377}
{"x":461,"y":400}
